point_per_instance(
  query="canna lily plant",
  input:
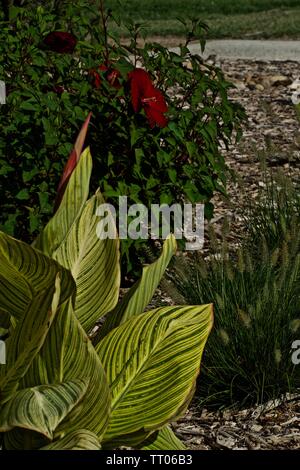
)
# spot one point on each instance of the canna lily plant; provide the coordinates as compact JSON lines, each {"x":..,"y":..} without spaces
{"x":65,"y":385}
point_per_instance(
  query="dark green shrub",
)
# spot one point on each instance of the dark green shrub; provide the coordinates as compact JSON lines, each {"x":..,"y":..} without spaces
{"x":49,"y":94}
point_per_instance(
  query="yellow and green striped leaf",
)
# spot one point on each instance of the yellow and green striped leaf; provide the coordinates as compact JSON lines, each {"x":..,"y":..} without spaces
{"x":94,"y":264}
{"x":24,"y":273}
{"x":27,"y":339}
{"x":77,"y":440}
{"x":68,"y":354}
{"x":23,"y":439}
{"x":42,"y":408}
{"x":70,"y":208}
{"x":139,"y":296}
{"x":164,"y":439}
{"x":152,"y":362}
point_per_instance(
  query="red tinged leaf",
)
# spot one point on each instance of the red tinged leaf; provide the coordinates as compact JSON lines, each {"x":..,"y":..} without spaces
{"x":145,"y":95}
{"x":72,"y":162}
{"x":61,"y":41}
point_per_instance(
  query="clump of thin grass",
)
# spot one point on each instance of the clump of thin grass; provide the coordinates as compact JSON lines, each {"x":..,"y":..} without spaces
{"x":256,"y":296}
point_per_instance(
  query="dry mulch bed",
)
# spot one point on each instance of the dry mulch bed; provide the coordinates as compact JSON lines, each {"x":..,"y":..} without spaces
{"x":272,"y":133}
{"x":274,"y":426}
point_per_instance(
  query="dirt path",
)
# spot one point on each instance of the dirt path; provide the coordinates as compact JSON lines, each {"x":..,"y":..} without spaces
{"x":251,"y":49}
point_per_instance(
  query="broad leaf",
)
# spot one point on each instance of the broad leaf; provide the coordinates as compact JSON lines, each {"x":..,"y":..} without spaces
{"x":139,"y":296}
{"x":77,"y":440}
{"x":72,"y":204}
{"x":24,"y":273}
{"x":152,"y":362}
{"x":164,"y":439}
{"x":66,"y":355}
{"x":42,"y":408}
{"x":94,"y":264}
{"x":27,"y":339}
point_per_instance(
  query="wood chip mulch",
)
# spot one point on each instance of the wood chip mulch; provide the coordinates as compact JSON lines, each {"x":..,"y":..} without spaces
{"x":272,"y":133}
{"x":268,"y":427}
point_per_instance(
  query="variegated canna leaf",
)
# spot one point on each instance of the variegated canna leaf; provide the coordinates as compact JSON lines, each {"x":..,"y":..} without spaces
{"x":42,"y":408}
{"x":164,"y":439}
{"x":27,"y":339}
{"x":138,"y":297}
{"x":77,"y":440}
{"x":72,"y":239}
{"x":152,"y":362}
{"x":66,"y":355}
{"x":94,"y":264}
{"x":24,"y":273}
{"x":33,"y":287}
{"x":71,"y":206}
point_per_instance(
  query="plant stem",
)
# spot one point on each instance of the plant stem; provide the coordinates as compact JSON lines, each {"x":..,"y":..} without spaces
{"x":104,"y":28}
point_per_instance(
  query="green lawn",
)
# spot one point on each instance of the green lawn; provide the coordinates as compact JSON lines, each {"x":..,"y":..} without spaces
{"x":226,"y":18}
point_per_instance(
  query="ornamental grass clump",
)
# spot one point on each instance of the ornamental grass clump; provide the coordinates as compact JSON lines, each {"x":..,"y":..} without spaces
{"x":256,"y":296}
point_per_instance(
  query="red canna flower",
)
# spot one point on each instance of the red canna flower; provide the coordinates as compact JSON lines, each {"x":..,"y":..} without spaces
{"x":145,"y":96}
{"x":111,"y":75}
{"x":60,"y":41}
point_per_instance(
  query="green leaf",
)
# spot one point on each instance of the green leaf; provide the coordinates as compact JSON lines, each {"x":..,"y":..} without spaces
{"x":23,"y":195}
{"x":42,"y":408}
{"x":152,"y":362}
{"x":77,"y":440}
{"x":191,"y":148}
{"x":28,"y":175}
{"x":27,"y":339}
{"x":94,"y":264}
{"x":135,"y":135}
{"x":138,"y":297}
{"x":164,"y":439}
{"x":68,"y":354}
{"x":71,"y":206}
{"x":172,"y":175}
{"x":26,"y":272}
{"x":29,"y":105}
